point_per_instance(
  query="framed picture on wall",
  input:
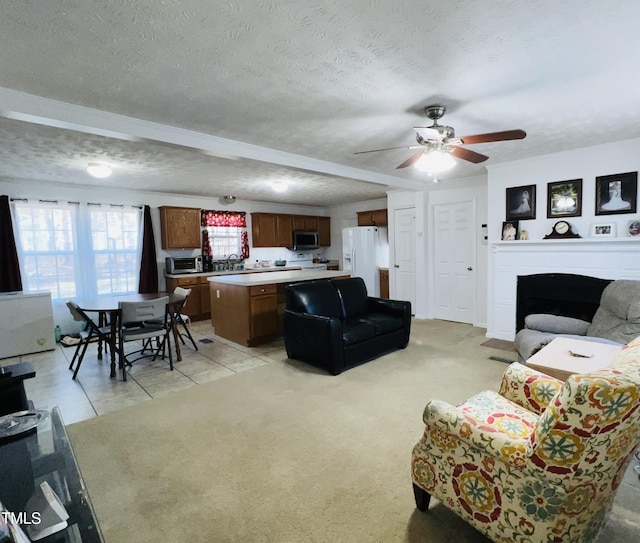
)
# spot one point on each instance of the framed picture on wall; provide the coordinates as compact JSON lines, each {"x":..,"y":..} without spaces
{"x":521,"y":203}
{"x":564,"y":198}
{"x":616,"y":193}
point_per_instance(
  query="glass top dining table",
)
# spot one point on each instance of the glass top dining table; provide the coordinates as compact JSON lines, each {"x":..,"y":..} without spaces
{"x":108,"y":305}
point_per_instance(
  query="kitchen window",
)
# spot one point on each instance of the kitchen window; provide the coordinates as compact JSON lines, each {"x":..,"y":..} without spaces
{"x":224,"y":234}
{"x":224,"y":241}
{"x":75,"y":250}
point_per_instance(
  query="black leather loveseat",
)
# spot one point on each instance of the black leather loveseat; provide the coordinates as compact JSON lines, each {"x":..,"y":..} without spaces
{"x":333,"y":324}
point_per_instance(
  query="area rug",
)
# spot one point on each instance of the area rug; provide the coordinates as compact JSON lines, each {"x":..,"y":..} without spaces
{"x":500,"y":344}
{"x":284,"y":452}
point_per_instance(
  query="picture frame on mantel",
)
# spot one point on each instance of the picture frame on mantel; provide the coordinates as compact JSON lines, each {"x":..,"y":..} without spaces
{"x":564,"y":199}
{"x":510,"y":231}
{"x":521,"y":203}
{"x":617,"y":193}
{"x":603,"y":230}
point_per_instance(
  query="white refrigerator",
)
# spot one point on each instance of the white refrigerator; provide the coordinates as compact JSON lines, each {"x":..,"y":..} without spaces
{"x":365,"y":249}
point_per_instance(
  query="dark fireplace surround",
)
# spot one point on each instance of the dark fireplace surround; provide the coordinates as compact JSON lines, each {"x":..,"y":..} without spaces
{"x":563,"y":294}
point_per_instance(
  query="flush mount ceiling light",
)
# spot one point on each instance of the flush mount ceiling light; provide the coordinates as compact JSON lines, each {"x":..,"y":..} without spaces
{"x":98,"y":170}
{"x":435,"y":161}
{"x":228,"y":199}
{"x":278,"y":186}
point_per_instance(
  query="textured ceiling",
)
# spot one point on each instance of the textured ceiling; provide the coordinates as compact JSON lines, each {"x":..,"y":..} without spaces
{"x":290,"y":89}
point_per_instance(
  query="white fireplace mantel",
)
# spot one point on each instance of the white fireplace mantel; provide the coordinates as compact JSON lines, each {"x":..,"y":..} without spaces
{"x":608,"y":259}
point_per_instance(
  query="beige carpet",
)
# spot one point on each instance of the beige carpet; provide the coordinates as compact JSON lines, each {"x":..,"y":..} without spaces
{"x":284,"y":452}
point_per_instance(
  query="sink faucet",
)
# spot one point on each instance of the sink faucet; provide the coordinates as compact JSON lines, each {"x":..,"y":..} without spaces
{"x":229,"y":258}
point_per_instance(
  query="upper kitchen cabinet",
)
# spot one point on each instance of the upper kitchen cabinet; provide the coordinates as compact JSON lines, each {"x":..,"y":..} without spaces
{"x":284,"y":230}
{"x":376,"y":217}
{"x":263,"y":230}
{"x":276,"y":229}
{"x":180,"y":227}
{"x":299,"y":223}
{"x":305,"y":223}
{"x":324,"y":231}
{"x":311,"y":224}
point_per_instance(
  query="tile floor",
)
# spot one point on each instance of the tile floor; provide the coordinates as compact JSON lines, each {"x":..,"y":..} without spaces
{"x":94,"y":393}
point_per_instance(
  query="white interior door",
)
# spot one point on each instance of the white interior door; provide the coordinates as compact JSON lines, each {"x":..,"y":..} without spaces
{"x":404,"y":256}
{"x":454,"y":259}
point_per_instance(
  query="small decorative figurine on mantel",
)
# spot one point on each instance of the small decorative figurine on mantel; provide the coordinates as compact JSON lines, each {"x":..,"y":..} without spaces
{"x":562,"y":230}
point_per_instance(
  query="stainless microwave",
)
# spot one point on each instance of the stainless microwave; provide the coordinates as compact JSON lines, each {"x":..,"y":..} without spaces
{"x":303,"y":241}
{"x":175,"y":265}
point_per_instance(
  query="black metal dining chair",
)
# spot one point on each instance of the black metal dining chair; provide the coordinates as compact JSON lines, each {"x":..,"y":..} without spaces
{"x":144,"y":321}
{"x":92,"y":330}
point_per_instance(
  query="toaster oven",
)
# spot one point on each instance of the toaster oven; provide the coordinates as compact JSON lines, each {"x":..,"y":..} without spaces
{"x":176,"y":265}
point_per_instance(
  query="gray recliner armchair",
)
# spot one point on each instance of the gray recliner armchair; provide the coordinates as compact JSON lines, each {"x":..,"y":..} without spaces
{"x":616,"y":321}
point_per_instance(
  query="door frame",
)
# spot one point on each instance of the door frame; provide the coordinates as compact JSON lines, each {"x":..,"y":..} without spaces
{"x":473,"y":257}
{"x":479,"y":286}
{"x":391,"y":233}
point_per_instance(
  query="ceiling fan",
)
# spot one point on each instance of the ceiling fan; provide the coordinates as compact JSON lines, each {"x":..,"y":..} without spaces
{"x":438,"y":142}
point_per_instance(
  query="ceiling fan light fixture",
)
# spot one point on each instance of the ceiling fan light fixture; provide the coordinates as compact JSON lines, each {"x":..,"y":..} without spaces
{"x":435,"y":161}
{"x":98,"y":170}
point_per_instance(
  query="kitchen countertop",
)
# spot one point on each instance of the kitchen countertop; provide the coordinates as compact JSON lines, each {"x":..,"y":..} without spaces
{"x":291,"y":276}
{"x":232,"y":272}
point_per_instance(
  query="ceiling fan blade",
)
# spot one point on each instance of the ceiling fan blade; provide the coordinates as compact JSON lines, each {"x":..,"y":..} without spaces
{"x":389,"y":149}
{"x":427,"y":133}
{"x":494,"y":136}
{"x":410,"y":160}
{"x":465,"y":154}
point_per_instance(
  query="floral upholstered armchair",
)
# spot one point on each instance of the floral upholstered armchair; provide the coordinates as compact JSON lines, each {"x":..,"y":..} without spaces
{"x":538,"y":462}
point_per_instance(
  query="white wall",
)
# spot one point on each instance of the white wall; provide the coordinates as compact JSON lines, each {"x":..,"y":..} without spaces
{"x":456,"y":190}
{"x":585,"y":163}
{"x":349,"y":213}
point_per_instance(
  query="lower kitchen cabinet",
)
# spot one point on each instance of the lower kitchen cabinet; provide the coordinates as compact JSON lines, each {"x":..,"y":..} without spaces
{"x":384,"y":283}
{"x":205,"y":298}
{"x":245,"y":315}
{"x":198,"y":305}
{"x":262,"y":310}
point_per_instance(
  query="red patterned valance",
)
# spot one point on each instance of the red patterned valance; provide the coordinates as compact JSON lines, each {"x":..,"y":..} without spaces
{"x":211,"y":217}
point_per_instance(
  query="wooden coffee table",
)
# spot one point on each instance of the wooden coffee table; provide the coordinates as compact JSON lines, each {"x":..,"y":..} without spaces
{"x":555,"y":359}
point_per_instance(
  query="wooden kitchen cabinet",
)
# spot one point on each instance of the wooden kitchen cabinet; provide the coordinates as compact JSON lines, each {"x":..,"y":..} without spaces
{"x":197,"y":306}
{"x":384,"y":283}
{"x":376,"y":217}
{"x":205,"y":299}
{"x":284,"y":230}
{"x":324,"y":231}
{"x":276,"y":229}
{"x":180,"y":227}
{"x":263,"y":311}
{"x":245,"y":315}
{"x":263,"y":230}
{"x":299,"y":223}
{"x":311,"y":224}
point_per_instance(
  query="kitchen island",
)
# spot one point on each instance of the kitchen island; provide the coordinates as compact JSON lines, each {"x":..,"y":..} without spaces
{"x":198,"y":305}
{"x":247,"y":308}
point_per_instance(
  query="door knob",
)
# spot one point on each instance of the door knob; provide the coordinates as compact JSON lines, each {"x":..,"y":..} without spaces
{"x":469,"y":268}
{"x":396,"y":266}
